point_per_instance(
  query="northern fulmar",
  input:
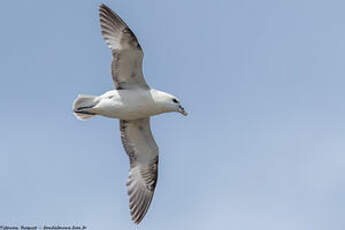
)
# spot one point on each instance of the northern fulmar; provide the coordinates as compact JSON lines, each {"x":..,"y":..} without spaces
{"x":133,"y":102}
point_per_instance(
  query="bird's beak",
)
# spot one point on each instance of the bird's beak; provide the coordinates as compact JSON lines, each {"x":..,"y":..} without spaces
{"x":182,"y":111}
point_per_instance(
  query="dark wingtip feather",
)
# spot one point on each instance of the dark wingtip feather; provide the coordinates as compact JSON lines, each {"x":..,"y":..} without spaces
{"x":102,"y":5}
{"x":109,"y":13}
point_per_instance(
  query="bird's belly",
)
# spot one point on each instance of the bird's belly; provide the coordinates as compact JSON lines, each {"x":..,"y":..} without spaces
{"x":128,"y":112}
{"x":127,"y":107}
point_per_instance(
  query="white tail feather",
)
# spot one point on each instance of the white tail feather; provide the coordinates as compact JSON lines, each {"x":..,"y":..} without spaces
{"x":81,"y":105}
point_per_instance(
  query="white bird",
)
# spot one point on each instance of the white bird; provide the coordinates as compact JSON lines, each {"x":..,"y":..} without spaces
{"x":133,"y":102}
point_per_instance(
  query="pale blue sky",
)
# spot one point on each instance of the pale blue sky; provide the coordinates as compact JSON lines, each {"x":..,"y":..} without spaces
{"x":263,"y":147}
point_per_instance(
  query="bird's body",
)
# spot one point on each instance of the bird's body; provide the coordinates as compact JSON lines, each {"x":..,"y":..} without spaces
{"x":128,"y":104}
{"x":133,"y":102}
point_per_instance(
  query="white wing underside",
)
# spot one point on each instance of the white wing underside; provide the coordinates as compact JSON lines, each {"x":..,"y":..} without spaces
{"x":142,"y":150}
{"x":126,"y":67}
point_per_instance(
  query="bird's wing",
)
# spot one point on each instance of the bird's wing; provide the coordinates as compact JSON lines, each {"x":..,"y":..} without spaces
{"x":142,"y":150}
{"x":126,"y":67}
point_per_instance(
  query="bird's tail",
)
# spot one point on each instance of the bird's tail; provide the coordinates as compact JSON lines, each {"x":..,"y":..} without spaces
{"x":82,"y":105}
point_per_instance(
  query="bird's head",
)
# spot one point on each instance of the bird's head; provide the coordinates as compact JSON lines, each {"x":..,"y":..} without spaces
{"x":178,"y":107}
{"x":172,"y":103}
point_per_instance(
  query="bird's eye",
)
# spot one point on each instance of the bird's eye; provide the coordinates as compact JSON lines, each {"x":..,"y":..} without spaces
{"x":174,"y":100}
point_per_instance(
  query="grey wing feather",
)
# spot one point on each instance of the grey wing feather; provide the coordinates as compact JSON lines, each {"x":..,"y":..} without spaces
{"x":126,"y":67}
{"x":142,"y":150}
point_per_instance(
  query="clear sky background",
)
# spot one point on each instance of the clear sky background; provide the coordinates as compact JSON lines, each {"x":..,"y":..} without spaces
{"x":263,"y":147}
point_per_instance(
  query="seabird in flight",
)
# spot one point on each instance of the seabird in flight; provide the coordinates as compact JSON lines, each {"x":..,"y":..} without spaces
{"x":133,"y":102}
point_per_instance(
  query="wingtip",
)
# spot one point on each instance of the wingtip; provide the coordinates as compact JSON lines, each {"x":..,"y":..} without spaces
{"x":101,"y":5}
{"x":137,"y":222}
{"x":137,"y":219}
